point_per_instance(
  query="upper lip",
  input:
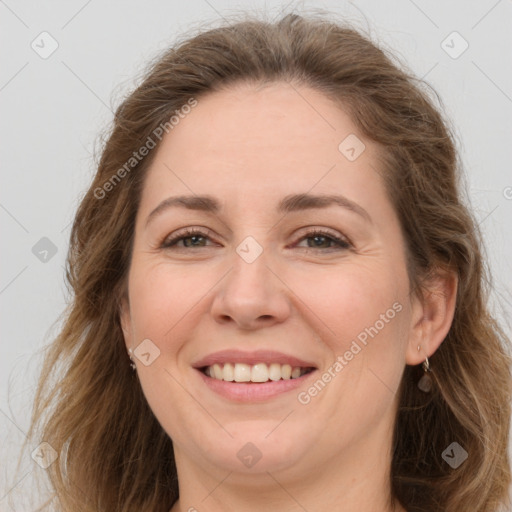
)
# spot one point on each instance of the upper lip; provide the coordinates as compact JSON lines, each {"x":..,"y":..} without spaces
{"x":251,"y":358}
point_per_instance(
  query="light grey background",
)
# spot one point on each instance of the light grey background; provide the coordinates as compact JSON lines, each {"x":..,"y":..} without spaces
{"x":54,"y":108}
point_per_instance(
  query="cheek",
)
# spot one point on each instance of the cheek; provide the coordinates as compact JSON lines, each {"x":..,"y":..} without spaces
{"x":361,"y":312}
{"x":163,"y":304}
{"x":350,"y":300}
{"x":162,"y":297}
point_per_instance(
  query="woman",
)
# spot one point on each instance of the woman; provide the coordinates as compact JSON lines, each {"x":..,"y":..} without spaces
{"x":278,"y":294}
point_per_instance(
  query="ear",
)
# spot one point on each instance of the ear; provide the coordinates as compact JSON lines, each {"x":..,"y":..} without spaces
{"x":433,"y":309}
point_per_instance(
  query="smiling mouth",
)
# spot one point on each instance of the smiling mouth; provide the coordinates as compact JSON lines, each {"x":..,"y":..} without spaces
{"x":254,"y":374}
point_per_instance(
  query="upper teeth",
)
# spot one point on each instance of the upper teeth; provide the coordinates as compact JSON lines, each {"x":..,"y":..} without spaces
{"x":261,"y":372}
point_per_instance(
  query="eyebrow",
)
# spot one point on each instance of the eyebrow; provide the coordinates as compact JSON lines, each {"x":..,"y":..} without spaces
{"x":291,"y":203}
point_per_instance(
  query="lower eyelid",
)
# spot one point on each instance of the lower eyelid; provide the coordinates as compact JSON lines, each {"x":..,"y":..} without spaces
{"x":337,"y":245}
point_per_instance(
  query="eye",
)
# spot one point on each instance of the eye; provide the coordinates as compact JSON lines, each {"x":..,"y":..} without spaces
{"x":321,"y":239}
{"x":190,"y":237}
{"x":316,"y":239}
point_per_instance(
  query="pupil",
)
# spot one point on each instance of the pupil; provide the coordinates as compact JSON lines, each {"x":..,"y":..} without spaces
{"x":318,"y":240}
{"x":193,"y":239}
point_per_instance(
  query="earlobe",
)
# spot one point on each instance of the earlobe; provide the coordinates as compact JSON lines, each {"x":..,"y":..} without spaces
{"x":433,"y":313}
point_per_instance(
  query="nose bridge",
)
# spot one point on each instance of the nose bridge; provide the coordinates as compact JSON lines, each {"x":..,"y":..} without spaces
{"x":250,"y":272}
{"x":250,"y":294}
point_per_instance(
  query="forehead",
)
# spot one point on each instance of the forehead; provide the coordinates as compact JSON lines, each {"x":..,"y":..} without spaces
{"x":277,"y":121}
{"x":273,"y":139}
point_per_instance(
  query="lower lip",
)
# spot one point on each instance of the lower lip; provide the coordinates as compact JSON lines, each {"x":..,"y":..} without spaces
{"x":253,"y":392}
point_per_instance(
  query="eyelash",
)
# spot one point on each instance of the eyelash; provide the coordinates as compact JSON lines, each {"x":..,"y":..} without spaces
{"x":342,"y":244}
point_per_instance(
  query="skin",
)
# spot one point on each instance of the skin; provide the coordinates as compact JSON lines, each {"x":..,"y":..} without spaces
{"x":249,"y":147}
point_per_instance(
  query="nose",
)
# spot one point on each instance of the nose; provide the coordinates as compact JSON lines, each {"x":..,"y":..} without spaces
{"x":251,"y":296}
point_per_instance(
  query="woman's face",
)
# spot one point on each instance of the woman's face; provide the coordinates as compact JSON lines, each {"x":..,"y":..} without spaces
{"x":293,"y":262}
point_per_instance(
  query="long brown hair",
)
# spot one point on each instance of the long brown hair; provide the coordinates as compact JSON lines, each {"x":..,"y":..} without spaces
{"x":89,"y":406}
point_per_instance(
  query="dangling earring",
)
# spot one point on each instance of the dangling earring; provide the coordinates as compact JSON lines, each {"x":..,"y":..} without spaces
{"x":425,"y":383}
{"x":132,"y":363}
